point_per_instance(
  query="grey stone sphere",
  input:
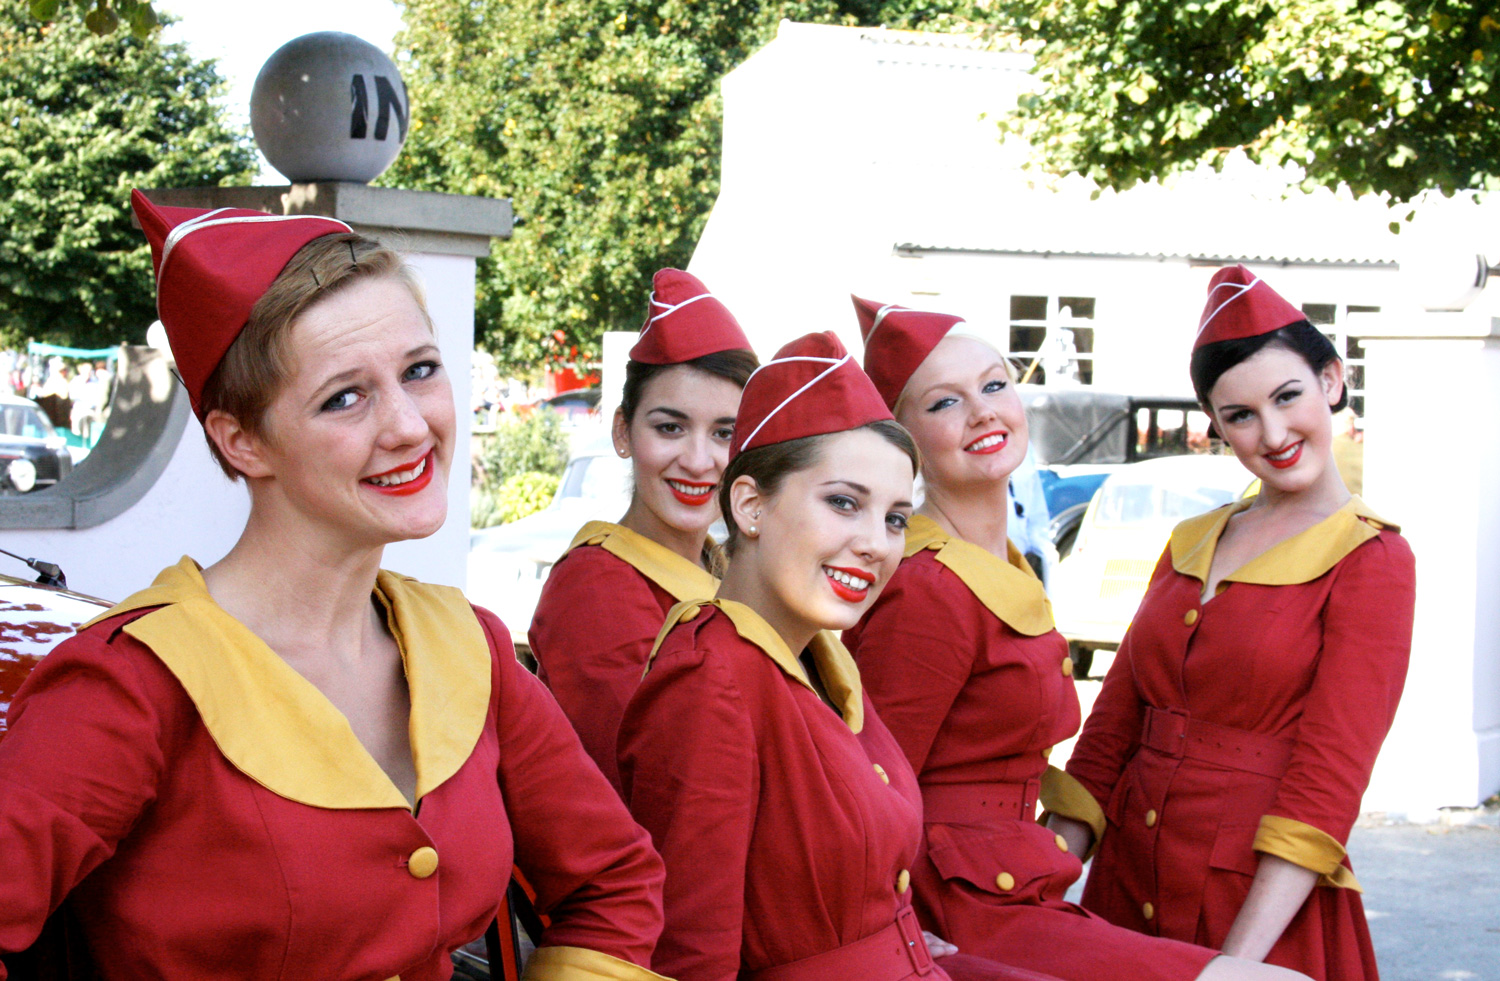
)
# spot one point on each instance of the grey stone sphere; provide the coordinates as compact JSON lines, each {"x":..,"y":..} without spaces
{"x":329,"y":106}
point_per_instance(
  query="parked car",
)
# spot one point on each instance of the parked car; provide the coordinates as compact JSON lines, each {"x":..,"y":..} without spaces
{"x":32,"y":453}
{"x":509,"y":563}
{"x":1095,"y":590}
{"x":1081,"y":435}
{"x":34,"y":619}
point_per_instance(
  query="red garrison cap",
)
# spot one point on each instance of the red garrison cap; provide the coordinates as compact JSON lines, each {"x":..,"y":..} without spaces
{"x":811,"y":387}
{"x":211,"y":268}
{"x":685,"y":321}
{"x":1241,"y":304}
{"x":897,"y":341}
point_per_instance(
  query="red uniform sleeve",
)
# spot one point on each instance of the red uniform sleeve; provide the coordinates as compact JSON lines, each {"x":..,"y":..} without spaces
{"x":1361,"y":670}
{"x":1112,"y":732}
{"x":912,"y":672}
{"x":594,"y":870}
{"x":591,"y":634}
{"x":691,"y":772}
{"x":88,"y":743}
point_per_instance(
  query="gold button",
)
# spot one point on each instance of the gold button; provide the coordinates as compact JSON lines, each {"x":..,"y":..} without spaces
{"x":903,"y":882}
{"x":1062,"y":843}
{"x":1047,"y":753}
{"x":1150,"y":819}
{"x":423,"y":862}
{"x":1067,"y":667}
{"x":688,"y":612}
{"x":1190,"y":617}
{"x":1148,"y":911}
{"x":1005,"y":881}
{"x":880,"y":772}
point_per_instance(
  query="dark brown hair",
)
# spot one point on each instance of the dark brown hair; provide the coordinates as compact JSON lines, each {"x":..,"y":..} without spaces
{"x":735,"y":366}
{"x":1301,"y":338}
{"x":256,"y":367}
{"x":771,"y":464}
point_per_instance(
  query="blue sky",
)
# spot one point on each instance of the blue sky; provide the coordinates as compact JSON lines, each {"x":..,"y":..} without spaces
{"x":241,"y":41}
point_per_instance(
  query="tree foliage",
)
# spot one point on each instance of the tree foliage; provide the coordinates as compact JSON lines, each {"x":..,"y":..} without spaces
{"x":600,"y":119}
{"x":1392,"y":96}
{"x":102,"y":17}
{"x":83,"y":119}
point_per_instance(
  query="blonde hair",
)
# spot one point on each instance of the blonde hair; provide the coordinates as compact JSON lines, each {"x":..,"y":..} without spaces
{"x":968,"y":332}
{"x":256,"y":367}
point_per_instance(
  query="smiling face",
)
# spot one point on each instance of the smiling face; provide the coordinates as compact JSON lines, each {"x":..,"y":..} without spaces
{"x":678,"y":445}
{"x":827,"y":539}
{"x":965,"y":415}
{"x":1276,"y":414}
{"x":357,"y":444}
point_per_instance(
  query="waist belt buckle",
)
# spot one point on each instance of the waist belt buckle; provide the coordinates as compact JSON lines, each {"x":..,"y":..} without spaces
{"x":916,"y":947}
{"x":1167,"y":731}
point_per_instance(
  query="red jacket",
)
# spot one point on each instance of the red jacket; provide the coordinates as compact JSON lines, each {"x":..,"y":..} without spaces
{"x":788,"y":828}
{"x":1249,"y":724}
{"x":210,"y":814}
{"x":599,"y":613}
{"x":961,"y":659}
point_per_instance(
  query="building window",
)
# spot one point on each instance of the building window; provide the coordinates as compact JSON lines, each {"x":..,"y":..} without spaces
{"x":1333,"y":320}
{"x":1053,"y":338}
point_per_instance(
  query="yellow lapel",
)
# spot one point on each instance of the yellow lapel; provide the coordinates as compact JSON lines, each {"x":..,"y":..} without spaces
{"x":1009,"y":590}
{"x":1301,"y":558}
{"x":835,"y":664}
{"x":278,"y":729}
{"x":683,"y":579}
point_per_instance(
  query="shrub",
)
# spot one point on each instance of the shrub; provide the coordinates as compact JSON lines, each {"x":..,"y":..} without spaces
{"x":523,"y":494}
{"x":531,"y":444}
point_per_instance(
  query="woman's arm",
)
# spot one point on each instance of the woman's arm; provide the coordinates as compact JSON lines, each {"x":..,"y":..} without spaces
{"x":1277,"y":893}
{"x":691,"y":772}
{"x":595,"y":873}
{"x":83,"y":758}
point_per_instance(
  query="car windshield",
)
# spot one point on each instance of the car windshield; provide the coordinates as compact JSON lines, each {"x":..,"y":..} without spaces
{"x":596,"y":478}
{"x":24,"y":420}
{"x":1135,"y":504}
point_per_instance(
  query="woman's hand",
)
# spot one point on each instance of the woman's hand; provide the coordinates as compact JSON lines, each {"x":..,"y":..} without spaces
{"x":1079,"y":836}
{"x":937,"y":946}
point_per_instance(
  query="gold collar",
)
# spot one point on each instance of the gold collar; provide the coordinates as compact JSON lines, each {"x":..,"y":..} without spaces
{"x":683,"y":579}
{"x":835,"y":664}
{"x":1302,"y":558}
{"x":1010,"y":589}
{"x":278,"y":729}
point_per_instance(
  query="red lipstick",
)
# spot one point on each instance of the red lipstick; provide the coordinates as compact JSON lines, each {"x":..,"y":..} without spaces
{"x":843,"y":591}
{"x":1290,"y":461}
{"x":994,"y":448}
{"x":699,"y":499}
{"x":427,"y":463}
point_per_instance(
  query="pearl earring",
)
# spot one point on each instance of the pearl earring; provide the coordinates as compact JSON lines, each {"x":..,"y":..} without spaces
{"x":752,"y":531}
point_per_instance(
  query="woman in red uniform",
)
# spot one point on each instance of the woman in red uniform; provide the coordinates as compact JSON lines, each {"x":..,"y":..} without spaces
{"x":606,"y":598}
{"x":1235,"y":733}
{"x":961,"y":659}
{"x":784,"y":810}
{"x":292,"y":764}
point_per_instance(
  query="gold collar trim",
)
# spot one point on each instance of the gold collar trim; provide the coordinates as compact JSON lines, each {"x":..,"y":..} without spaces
{"x":278,"y":729}
{"x":1301,"y":558}
{"x":1008,"y":589}
{"x":836,"y":666}
{"x":683,"y":579}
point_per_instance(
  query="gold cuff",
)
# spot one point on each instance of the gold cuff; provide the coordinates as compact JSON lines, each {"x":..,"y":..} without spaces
{"x":582,"y":964}
{"x":1307,"y":846}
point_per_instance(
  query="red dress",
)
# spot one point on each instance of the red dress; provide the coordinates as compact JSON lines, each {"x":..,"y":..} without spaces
{"x":787,"y":828}
{"x":976,"y":704}
{"x":599,"y":613}
{"x":1250,"y":724}
{"x":210,"y":814}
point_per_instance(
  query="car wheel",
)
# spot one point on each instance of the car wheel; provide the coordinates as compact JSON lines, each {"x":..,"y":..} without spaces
{"x":1083,"y":659}
{"x":1065,"y":542}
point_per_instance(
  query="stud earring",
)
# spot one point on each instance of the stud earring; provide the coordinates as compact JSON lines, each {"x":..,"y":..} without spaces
{"x":752,"y":532}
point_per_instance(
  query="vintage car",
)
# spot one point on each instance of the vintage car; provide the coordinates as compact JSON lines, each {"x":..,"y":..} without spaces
{"x":1095,"y":590}
{"x":32,"y":453}
{"x":1079,"y":436}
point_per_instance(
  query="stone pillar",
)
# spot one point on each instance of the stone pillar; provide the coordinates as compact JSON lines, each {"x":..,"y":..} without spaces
{"x":1432,"y":464}
{"x":191,"y":508}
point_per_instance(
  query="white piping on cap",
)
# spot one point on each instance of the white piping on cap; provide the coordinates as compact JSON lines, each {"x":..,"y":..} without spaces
{"x":1240,"y":290}
{"x":669,"y":309}
{"x":208,"y":220}
{"x":833,"y":365}
{"x":880,"y":316}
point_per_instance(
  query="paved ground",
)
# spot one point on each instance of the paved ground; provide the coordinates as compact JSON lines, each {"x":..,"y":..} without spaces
{"x":1432,"y":893}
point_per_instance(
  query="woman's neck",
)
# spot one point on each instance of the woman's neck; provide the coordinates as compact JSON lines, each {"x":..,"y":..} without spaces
{"x":304,"y":595}
{"x":742,"y":583}
{"x":643,"y":521}
{"x":975,"y":514}
{"x":1320,"y":499}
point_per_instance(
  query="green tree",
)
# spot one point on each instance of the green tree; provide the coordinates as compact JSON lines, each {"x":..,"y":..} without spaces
{"x":83,"y":119}
{"x":1393,"y":96}
{"x":103,"y":17}
{"x":600,"y":119}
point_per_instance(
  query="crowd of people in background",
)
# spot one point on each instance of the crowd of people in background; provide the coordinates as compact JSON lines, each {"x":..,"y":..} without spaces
{"x":74,"y":393}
